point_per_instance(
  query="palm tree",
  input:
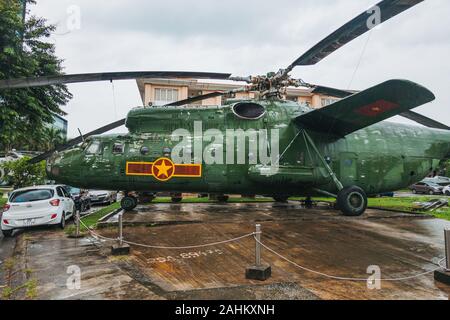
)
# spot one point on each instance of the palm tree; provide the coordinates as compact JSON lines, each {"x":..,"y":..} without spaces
{"x":52,"y":137}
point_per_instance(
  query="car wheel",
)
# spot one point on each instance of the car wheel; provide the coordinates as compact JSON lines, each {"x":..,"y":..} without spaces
{"x":7,"y":233}
{"x":62,"y":224}
{"x":414,"y":191}
{"x":447,"y":193}
{"x":431,"y":192}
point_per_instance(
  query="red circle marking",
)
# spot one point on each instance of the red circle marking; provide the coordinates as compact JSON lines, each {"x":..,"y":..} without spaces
{"x":163,"y":169}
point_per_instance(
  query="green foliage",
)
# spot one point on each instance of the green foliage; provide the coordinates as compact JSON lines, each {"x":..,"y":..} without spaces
{"x":24,"y":52}
{"x":22,"y":174}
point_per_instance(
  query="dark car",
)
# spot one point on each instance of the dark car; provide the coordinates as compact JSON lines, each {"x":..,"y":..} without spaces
{"x":81,"y":198}
{"x":427,"y":187}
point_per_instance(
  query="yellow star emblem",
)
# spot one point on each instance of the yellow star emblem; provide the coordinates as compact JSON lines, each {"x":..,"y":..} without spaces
{"x":163,"y":169}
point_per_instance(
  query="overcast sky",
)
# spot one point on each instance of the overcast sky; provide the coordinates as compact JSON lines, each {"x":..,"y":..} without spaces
{"x":241,"y":37}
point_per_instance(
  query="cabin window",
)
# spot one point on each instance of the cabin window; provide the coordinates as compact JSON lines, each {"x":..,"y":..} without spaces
{"x":118,"y":148}
{"x":145,"y":151}
{"x":94,"y":148}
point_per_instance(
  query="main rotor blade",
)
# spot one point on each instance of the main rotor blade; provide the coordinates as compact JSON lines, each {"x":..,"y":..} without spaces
{"x":196,"y":99}
{"x":106,"y":76}
{"x":77,"y":140}
{"x":332,"y":92}
{"x":353,"y":29}
{"x":425,"y":121}
{"x":207,"y":96}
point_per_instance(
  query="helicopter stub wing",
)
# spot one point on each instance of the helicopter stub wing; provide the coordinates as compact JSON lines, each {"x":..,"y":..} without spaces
{"x":366,"y":108}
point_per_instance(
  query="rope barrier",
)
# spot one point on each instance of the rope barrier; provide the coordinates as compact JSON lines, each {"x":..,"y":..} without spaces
{"x":347,"y":278}
{"x":192,"y":247}
{"x":170,"y":248}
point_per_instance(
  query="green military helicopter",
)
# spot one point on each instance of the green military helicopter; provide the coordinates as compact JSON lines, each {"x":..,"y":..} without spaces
{"x":343,"y":150}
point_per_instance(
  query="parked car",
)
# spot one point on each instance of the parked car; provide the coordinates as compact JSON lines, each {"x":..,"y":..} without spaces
{"x":102,"y":196}
{"x":442,"y":181}
{"x":446,"y":191}
{"x":80,"y":197}
{"x":426,"y":187}
{"x":36,"y":206}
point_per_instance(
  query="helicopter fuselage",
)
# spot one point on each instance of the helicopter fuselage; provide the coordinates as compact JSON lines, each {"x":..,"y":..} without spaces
{"x":380,"y":158}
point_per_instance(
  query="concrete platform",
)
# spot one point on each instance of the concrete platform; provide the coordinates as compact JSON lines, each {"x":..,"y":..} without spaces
{"x":321,"y":239}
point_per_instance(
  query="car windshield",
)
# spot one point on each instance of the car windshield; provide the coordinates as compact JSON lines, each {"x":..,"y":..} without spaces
{"x":433,"y":185}
{"x":31,"y":195}
{"x":74,"y":191}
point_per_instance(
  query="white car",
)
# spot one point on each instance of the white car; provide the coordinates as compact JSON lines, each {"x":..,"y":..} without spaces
{"x":446,"y":191}
{"x":36,"y":206}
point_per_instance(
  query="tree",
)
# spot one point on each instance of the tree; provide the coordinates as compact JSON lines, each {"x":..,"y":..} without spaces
{"x":24,"y":52}
{"x":22,"y":174}
{"x":52,"y":138}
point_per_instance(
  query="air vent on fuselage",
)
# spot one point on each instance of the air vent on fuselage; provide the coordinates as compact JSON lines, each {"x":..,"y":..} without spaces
{"x":249,"y":110}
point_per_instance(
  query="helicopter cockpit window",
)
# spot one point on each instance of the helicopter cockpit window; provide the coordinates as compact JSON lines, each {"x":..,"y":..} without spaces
{"x":249,"y":110}
{"x":94,"y":148}
{"x":118,"y":148}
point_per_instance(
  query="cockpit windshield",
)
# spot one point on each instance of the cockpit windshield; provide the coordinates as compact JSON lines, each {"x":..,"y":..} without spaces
{"x":94,"y":147}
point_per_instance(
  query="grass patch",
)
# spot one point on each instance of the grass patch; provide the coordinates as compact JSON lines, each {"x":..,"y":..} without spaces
{"x":92,"y":220}
{"x":2,"y":202}
{"x":406,"y":204}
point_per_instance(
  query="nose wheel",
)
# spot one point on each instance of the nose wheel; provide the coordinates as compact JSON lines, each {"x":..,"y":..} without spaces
{"x":129,"y":203}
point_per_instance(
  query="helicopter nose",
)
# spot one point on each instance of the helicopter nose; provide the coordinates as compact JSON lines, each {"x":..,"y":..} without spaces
{"x":52,"y":171}
{"x":53,"y":168}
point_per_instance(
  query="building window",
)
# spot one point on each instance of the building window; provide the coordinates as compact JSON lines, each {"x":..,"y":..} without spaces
{"x":165,"y":96}
{"x":327,"y":102}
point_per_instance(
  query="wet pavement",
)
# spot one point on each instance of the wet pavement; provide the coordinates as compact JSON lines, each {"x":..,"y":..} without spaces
{"x":321,"y":239}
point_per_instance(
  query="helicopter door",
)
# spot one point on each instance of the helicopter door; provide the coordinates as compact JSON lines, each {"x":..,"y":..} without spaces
{"x":348,"y":168}
{"x":94,"y":163}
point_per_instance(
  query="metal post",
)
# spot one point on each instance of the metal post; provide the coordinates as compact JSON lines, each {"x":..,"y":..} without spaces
{"x":120,"y":229}
{"x":77,"y":222}
{"x":447,"y":248}
{"x":258,"y":246}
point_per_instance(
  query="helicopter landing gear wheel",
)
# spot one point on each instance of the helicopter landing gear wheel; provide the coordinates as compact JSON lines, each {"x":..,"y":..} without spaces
{"x":176,"y":197}
{"x":223,"y":198}
{"x":309,"y":204}
{"x":352,"y":201}
{"x":281,"y":199}
{"x":128,"y":203}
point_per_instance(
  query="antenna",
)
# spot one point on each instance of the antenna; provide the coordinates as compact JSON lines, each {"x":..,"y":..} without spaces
{"x":81,"y":135}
